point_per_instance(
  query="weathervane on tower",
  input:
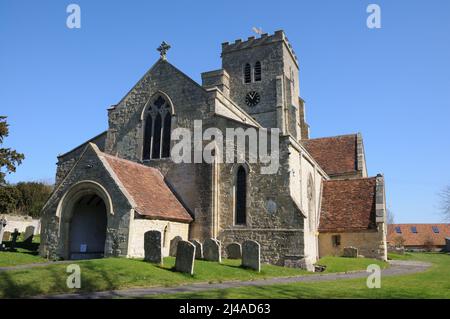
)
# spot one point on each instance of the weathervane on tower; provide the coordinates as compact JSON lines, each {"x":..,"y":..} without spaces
{"x":163,"y":48}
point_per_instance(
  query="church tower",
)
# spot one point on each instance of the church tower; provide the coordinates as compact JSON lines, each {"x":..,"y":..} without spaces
{"x":263,"y":80}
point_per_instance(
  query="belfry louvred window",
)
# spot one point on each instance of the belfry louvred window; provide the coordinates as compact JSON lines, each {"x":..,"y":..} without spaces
{"x":257,"y":71}
{"x":247,"y":73}
{"x":157,"y":129}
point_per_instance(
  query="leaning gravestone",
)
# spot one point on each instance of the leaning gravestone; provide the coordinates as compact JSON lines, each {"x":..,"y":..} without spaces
{"x":234,"y":251}
{"x":184,"y":261}
{"x":211,"y":250}
{"x":251,"y":255}
{"x":152,"y":247}
{"x":198,"y":249}
{"x":29,"y":233}
{"x":174,"y":245}
{"x":350,"y":252}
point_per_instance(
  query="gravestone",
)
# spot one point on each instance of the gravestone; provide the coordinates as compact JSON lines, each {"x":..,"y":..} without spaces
{"x":251,"y":255}
{"x":152,"y":247}
{"x":350,"y":252}
{"x":7,"y":236}
{"x":447,"y":244}
{"x":29,"y":233}
{"x":234,"y":251}
{"x":198,"y":249}
{"x":2,"y":228}
{"x":211,"y":250}
{"x":174,"y":245}
{"x":184,"y":261}
{"x":14,"y":237}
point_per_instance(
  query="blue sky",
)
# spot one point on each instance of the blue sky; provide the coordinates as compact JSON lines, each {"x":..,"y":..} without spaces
{"x":391,"y":84}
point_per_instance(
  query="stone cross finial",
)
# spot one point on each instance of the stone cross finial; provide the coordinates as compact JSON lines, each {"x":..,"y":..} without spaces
{"x":163,"y":48}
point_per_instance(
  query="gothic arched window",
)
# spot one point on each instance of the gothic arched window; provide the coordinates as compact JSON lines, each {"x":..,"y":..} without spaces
{"x":310,"y":196}
{"x":247,"y":73}
{"x":257,"y":71}
{"x":241,"y":196}
{"x":157,"y":128}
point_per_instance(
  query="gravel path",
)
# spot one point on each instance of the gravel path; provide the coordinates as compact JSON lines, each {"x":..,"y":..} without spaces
{"x":397,"y":268}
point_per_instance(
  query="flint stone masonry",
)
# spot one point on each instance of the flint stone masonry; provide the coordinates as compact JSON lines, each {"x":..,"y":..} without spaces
{"x":185,"y":257}
{"x":234,"y":251}
{"x":174,"y":246}
{"x":152,"y":247}
{"x":198,"y":249}
{"x":351,"y":252}
{"x":251,"y":255}
{"x":211,"y":250}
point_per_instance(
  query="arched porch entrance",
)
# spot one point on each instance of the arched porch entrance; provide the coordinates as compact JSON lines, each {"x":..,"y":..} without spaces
{"x":87,"y":231}
{"x":84,"y":211}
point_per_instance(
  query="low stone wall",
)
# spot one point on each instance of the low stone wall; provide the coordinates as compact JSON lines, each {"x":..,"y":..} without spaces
{"x":21,"y":223}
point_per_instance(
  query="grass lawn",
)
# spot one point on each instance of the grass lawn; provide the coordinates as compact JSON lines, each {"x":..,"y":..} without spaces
{"x":433,"y":283}
{"x":120,"y":273}
{"x":22,"y":256}
{"x":25,"y":254}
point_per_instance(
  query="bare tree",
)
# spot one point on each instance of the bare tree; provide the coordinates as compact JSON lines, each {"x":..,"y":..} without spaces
{"x":445,"y":202}
{"x":390,"y":218}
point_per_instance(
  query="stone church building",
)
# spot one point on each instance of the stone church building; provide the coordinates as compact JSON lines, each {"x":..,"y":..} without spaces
{"x":116,"y":186}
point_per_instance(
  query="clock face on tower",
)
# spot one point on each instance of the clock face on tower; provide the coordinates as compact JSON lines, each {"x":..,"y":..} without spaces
{"x":252,"y":98}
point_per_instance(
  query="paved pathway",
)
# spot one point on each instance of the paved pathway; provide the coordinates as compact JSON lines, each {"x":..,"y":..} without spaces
{"x":397,"y":268}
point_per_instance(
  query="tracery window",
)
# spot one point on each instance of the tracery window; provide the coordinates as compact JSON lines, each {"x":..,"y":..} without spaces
{"x":157,"y":128}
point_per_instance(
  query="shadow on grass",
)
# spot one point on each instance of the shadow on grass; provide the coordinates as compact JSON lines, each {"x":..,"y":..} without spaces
{"x":12,"y":289}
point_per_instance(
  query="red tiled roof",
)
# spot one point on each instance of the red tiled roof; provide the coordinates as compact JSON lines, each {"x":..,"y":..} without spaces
{"x":149,"y":191}
{"x":336,"y":155}
{"x":424,"y":234}
{"x":348,"y":205}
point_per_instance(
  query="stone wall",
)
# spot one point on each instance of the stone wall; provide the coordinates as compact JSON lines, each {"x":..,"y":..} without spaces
{"x":21,"y":223}
{"x":168,"y":230}
{"x":370,"y":244}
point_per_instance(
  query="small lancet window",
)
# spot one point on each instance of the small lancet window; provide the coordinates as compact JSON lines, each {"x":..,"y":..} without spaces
{"x":257,"y":71}
{"x":247,"y":73}
{"x":241,"y":197}
{"x":157,"y":130}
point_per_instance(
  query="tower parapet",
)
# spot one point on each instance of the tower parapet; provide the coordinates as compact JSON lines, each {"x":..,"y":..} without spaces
{"x":264,"y":39}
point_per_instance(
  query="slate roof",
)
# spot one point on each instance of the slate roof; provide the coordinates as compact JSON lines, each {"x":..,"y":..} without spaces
{"x":146,"y":186}
{"x":424,"y":233}
{"x":348,"y":205}
{"x":335,"y":155}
